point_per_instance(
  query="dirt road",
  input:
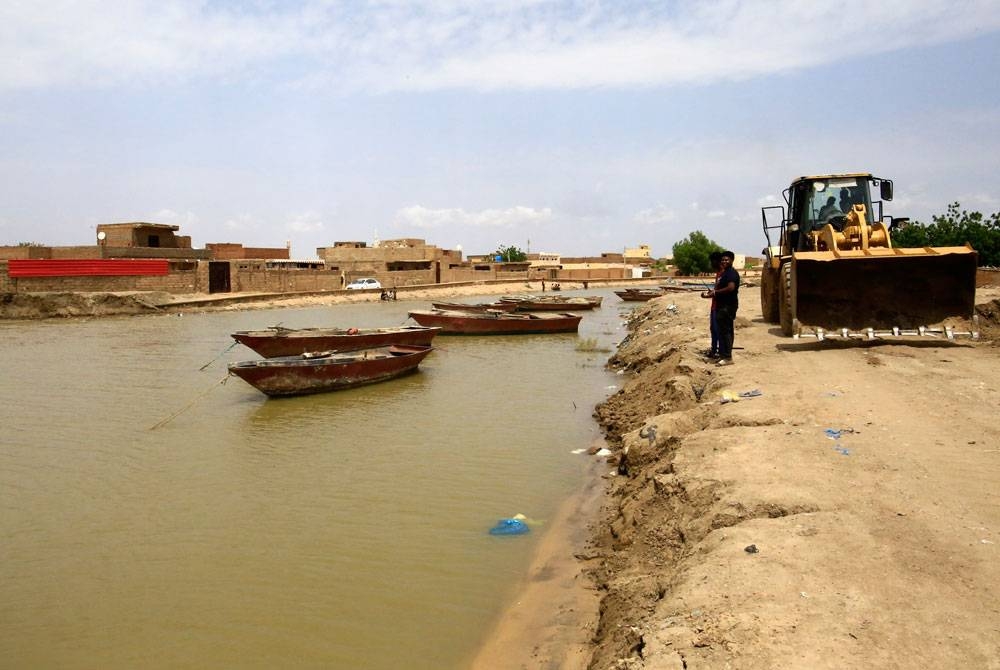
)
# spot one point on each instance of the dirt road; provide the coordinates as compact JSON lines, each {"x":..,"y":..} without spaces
{"x":846,"y":517}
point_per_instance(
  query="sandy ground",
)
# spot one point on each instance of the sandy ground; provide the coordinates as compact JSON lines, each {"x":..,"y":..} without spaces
{"x":745,"y":535}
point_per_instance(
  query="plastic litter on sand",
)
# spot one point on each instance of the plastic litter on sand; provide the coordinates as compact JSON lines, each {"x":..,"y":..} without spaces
{"x":730,"y":396}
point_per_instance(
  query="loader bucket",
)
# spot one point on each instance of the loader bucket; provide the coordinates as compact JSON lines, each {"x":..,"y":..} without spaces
{"x":884,"y":288}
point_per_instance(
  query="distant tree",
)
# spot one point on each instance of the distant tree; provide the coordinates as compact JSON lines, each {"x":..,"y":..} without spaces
{"x":510,"y":254}
{"x":691,"y":253}
{"x":955,"y":228}
{"x":30,"y":244}
{"x":662,"y":264}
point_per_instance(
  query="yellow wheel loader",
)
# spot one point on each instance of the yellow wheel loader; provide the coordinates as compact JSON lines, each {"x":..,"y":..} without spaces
{"x":831,"y":270}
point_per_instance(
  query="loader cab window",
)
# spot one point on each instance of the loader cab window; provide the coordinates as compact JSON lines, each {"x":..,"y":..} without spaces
{"x":829,"y":201}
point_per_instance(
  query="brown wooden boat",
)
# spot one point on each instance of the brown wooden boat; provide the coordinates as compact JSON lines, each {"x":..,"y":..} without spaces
{"x":279,"y":341}
{"x":496,"y":323}
{"x":687,"y":287}
{"x":555,"y":303}
{"x":478,"y":307}
{"x":639,"y":294}
{"x":329,"y":370}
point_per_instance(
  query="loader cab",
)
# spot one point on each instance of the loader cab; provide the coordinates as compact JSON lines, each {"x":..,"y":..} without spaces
{"x":814,"y":202}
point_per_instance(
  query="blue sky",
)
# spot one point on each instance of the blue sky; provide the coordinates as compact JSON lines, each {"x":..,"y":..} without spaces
{"x":581,"y":127}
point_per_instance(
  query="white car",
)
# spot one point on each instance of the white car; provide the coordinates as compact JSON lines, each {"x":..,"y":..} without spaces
{"x":364,"y":282}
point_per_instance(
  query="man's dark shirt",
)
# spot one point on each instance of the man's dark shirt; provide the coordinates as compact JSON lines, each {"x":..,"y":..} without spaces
{"x":730,"y":298}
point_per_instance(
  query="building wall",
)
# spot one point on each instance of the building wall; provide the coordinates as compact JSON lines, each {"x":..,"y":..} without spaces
{"x":143,"y":252}
{"x":225,"y":251}
{"x":467,"y":273}
{"x":583,"y":260}
{"x":69,"y":253}
{"x":25,"y":253}
{"x":282,"y":281}
{"x":178,"y":281}
{"x":139,"y":233}
{"x":642,"y":252}
{"x":580,"y":274}
{"x":349,"y":257}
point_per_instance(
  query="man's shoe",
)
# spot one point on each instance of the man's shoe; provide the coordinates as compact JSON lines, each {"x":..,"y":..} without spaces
{"x":725,"y":361}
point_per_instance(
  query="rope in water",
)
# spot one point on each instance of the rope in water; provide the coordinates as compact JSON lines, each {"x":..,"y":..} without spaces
{"x":163,"y":422}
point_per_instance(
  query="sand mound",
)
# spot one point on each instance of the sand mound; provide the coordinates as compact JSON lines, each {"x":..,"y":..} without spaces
{"x":50,"y":305}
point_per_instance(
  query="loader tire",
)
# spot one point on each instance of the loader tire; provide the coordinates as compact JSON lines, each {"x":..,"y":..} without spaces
{"x":785,"y":303}
{"x":770,"y":294}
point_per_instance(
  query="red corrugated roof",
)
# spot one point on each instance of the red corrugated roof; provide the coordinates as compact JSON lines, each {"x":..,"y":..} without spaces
{"x":105,"y":267}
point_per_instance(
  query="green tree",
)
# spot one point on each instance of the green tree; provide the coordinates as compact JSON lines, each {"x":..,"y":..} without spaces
{"x":955,"y":227}
{"x":510,"y":254}
{"x":691,"y":253}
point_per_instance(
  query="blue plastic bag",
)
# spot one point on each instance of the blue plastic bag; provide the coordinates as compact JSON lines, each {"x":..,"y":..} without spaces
{"x":509,"y":527}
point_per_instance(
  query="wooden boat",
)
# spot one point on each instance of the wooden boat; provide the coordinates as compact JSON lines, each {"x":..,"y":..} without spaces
{"x":329,"y":370}
{"x":478,"y":307}
{"x":685,"y":287}
{"x":638,"y":294}
{"x":496,"y":323}
{"x":555,"y":303}
{"x":278,"y":341}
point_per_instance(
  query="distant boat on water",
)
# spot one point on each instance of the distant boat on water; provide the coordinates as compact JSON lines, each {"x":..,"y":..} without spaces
{"x":496,"y":323}
{"x":639,"y":294}
{"x":477,"y":307}
{"x":554,"y":303}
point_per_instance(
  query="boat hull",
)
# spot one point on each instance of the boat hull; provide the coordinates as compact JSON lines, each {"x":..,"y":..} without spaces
{"x":479,"y":307}
{"x":634,"y":295}
{"x":329,"y":371}
{"x":471,"y":323}
{"x":276,"y":342}
{"x":554,"y":304}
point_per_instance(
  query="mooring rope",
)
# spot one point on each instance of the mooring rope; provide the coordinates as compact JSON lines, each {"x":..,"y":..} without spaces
{"x":163,"y":422}
{"x":224,"y":351}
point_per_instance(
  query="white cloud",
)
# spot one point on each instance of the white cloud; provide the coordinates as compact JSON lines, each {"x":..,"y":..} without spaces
{"x":306,"y":222}
{"x":173,"y":218}
{"x":395,"y":45}
{"x":418,"y":216}
{"x":658,"y":215}
{"x":242,"y":222}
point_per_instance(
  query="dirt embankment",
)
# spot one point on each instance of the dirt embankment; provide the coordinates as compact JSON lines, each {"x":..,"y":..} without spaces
{"x":845,"y":513}
{"x":84,"y":304}
{"x":70,"y":304}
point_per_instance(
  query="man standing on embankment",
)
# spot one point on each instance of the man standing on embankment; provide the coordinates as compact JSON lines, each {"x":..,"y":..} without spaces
{"x":726,"y":298}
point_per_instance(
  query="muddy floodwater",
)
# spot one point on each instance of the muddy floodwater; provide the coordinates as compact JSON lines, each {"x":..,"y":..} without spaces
{"x":153,"y":516}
